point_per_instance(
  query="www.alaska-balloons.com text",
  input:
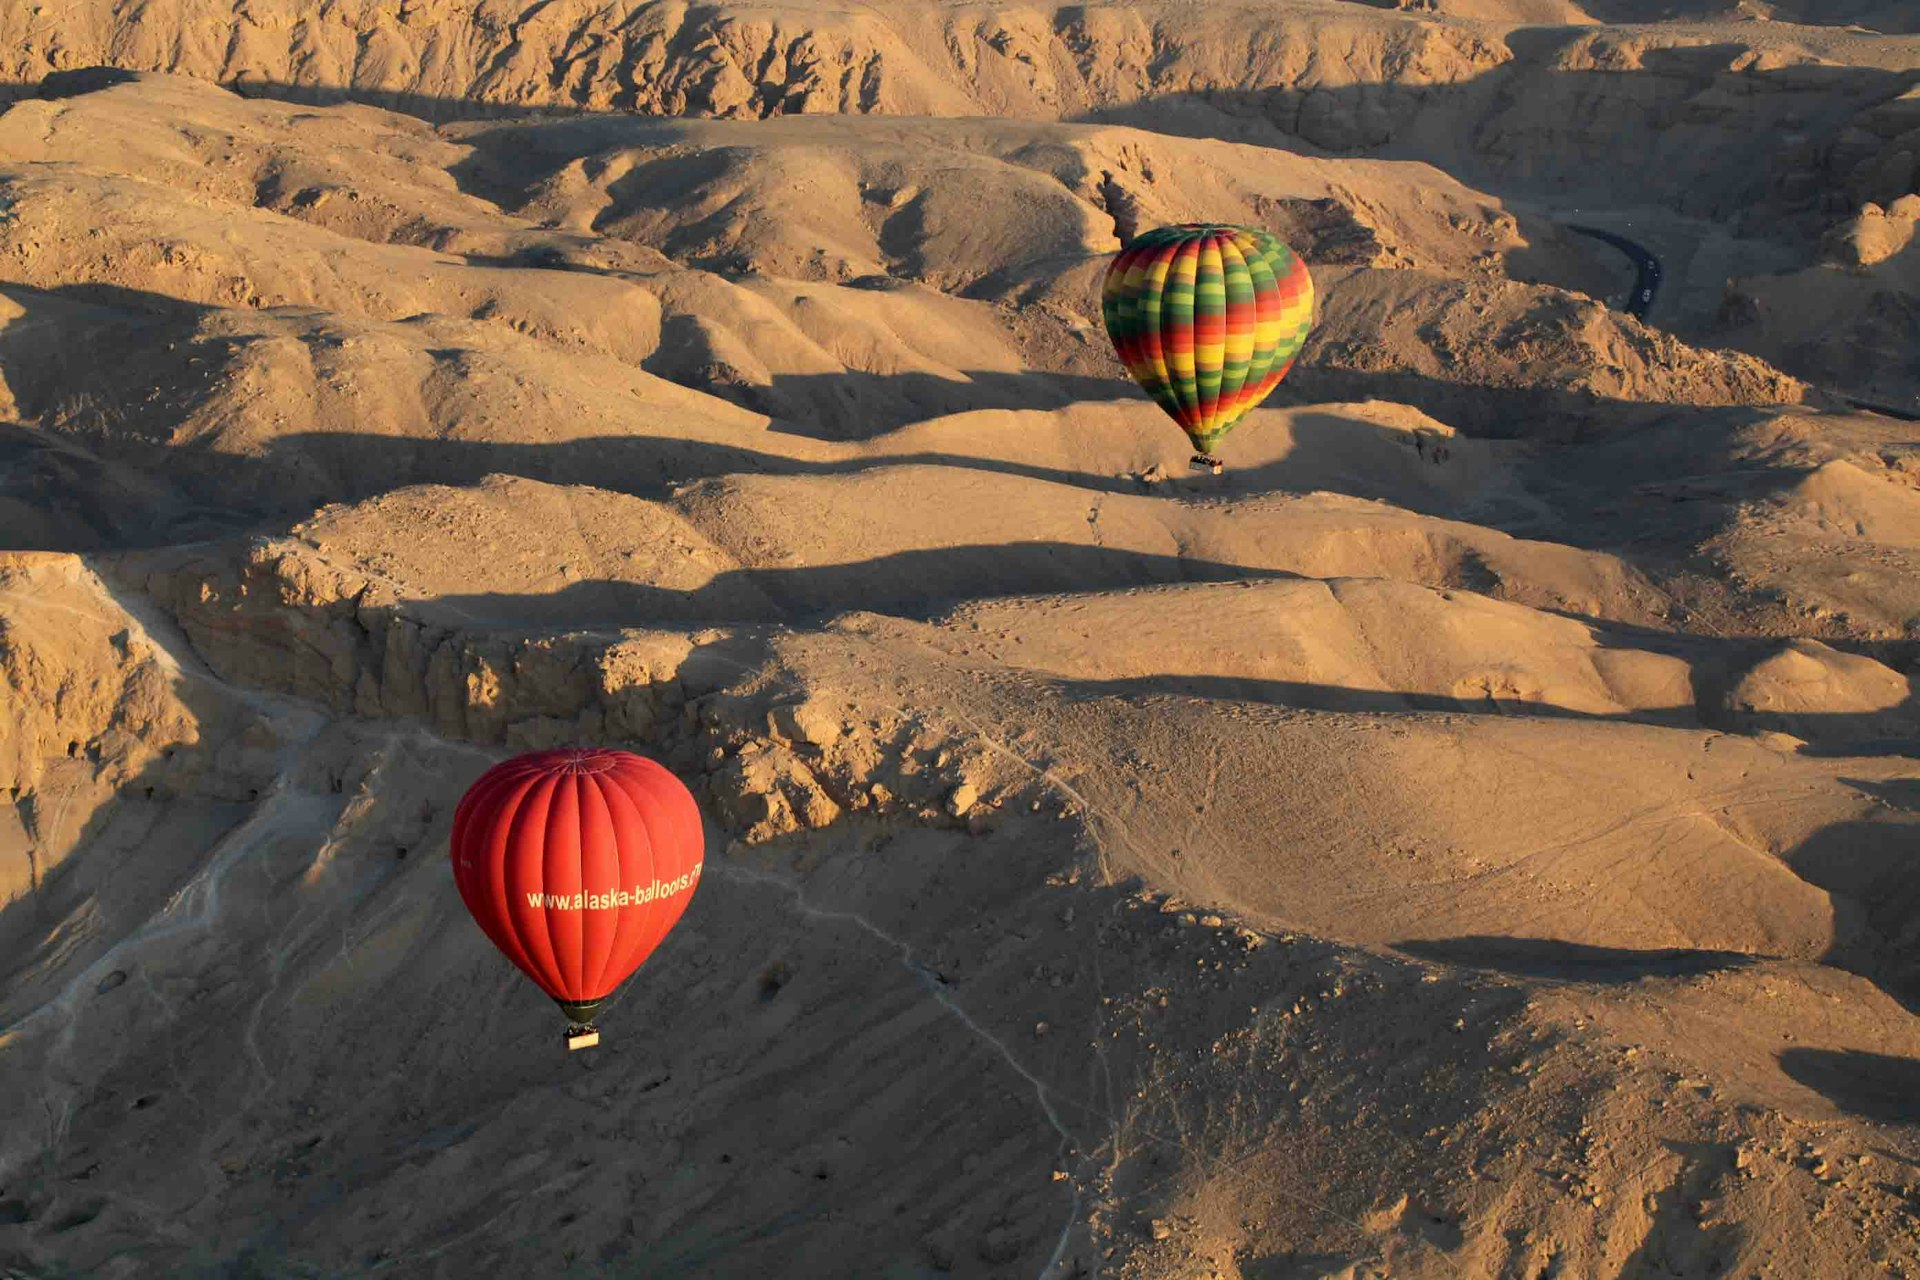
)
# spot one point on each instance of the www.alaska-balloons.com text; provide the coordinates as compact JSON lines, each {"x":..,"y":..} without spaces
{"x":614,"y":899}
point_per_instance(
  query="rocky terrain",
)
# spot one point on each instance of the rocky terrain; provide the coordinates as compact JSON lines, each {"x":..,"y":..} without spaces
{"x":1472,"y":836}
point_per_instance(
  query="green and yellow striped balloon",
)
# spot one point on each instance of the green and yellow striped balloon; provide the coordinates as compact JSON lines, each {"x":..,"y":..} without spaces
{"x":1207,"y":318}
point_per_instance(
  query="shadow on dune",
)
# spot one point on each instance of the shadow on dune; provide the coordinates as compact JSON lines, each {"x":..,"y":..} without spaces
{"x":1668,"y":148}
{"x":1868,"y":744}
{"x":1672,"y":129}
{"x":1872,"y":870}
{"x":166,"y":371}
{"x":1873,"y":1086}
{"x":1867,"y":865}
{"x":189,"y":492}
{"x":1661,"y":152}
{"x":255,"y":982}
{"x":434,"y":108}
{"x":107,"y":478}
{"x":1870,"y":867}
{"x":128,"y":493}
{"x":105,"y":481}
{"x":1478,"y":114}
{"x":283,"y":483}
{"x":1675,"y":131}
{"x":510,"y":163}
{"x":1822,"y":734}
{"x":1383,"y":119}
{"x":1572,"y":961}
{"x":908,"y":584}
{"x":165,"y":374}
{"x":197,"y":493}
{"x":1869,"y":870}
{"x":922,"y":585}
{"x":855,"y":405}
{"x":1899,"y":793}
{"x":1322,"y":697}
{"x":1543,"y":413}
{"x":1719,"y":663}
{"x":138,"y":848}
{"x":1676,"y":477}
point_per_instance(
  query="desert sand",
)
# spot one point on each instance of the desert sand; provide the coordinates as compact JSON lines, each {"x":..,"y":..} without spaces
{"x":1476,"y":835}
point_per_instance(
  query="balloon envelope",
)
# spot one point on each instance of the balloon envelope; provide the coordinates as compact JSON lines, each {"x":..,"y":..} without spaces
{"x":1207,"y":318}
{"x":576,"y":864}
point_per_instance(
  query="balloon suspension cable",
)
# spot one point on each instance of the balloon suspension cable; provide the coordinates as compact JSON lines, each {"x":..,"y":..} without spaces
{"x":1208,"y":461}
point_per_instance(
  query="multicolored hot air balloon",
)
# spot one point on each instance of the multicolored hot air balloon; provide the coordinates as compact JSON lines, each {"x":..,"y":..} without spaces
{"x":576,"y":864}
{"x":1207,"y":318}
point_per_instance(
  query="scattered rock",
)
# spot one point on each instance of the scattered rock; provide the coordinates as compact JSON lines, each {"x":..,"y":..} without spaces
{"x":807,"y":723}
{"x":771,"y":793}
{"x":962,"y":798}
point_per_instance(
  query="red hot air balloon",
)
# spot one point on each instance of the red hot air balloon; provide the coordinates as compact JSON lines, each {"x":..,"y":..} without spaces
{"x":576,"y":864}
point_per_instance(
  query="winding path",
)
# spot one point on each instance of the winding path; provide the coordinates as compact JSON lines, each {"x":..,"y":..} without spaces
{"x":1647,"y":284}
{"x":1647,"y":267}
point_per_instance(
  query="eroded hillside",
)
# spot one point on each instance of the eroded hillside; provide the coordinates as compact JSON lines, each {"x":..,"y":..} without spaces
{"x":1468,"y":837}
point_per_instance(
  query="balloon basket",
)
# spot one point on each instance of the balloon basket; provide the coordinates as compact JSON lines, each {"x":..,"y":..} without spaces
{"x":582,"y":1037}
{"x":1210,"y":463}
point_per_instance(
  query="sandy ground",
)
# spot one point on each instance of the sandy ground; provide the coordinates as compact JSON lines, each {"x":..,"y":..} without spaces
{"x":1473,"y":836}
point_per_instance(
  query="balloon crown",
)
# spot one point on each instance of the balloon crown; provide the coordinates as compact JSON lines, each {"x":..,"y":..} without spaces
{"x":569,"y":760}
{"x":586,"y":759}
{"x":1204,"y":228}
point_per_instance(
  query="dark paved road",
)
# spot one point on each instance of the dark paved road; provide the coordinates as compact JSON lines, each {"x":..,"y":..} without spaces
{"x":1645,"y":265}
{"x":1647,"y":284}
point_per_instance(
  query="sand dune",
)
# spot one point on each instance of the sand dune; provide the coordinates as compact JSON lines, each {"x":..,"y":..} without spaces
{"x":1471,"y":836}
